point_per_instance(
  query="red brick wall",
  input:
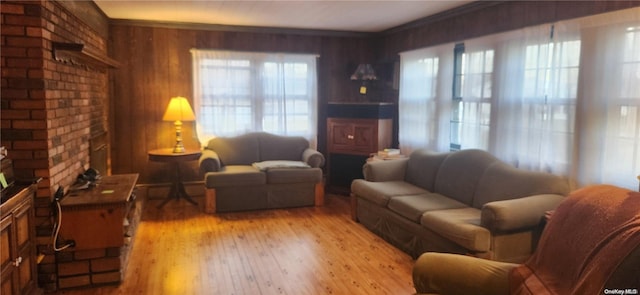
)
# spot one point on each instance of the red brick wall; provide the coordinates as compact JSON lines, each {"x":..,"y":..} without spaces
{"x":49,"y":109}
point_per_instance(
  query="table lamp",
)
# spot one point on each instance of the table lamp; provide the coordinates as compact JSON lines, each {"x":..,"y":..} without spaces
{"x":364,"y":73}
{"x":178,"y":110}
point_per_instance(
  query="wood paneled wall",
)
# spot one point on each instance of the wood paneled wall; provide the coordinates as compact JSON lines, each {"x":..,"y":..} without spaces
{"x":484,"y":18}
{"x":156,"y":65}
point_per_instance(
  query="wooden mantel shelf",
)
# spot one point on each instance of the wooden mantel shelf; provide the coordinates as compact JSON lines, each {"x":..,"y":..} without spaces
{"x":76,"y":53}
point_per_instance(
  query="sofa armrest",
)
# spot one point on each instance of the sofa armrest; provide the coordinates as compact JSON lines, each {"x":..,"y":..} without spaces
{"x":314,"y":158}
{"x":519,"y":213}
{"x":388,"y":170}
{"x":445,"y":273}
{"x":209,"y":161}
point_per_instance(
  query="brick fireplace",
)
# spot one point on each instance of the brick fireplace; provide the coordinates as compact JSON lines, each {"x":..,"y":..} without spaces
{"x":51,"y":109}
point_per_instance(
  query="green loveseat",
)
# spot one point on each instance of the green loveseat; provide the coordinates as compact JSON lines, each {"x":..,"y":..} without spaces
{"x":261,"y":171}
{"x":466,"y":202}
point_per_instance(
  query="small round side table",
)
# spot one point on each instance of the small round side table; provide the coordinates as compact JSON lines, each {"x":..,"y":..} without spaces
{"x":168,"y":156}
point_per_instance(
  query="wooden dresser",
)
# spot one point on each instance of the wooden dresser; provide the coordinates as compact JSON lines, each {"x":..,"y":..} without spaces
{"x":354,"y":131}
{"x":17,"y":242}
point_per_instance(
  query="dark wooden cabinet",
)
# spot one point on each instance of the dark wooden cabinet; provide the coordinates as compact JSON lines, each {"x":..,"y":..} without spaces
{"x":17,"y":243}
{"x":354,"y":131}
{"x":358,"y":136}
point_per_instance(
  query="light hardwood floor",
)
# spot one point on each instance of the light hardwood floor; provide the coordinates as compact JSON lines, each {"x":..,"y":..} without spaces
{"x":313,"y":250}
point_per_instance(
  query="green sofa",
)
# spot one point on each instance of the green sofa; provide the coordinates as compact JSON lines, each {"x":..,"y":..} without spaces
{"x":466,"y":202}
{"x":261,"y":171}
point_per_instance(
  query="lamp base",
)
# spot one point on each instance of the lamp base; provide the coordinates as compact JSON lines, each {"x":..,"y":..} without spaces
{"x":179,"y":148}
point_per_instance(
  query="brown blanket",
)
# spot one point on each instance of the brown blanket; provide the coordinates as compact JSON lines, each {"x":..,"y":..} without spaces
{"x":587,"y":237}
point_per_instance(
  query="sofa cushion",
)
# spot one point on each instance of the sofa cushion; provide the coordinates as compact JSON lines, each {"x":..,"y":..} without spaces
{"x":277,"y":147}
{"x":412,"y":207}
{"x":380,"y":192}
{"x":239,"y":150}
{"x":278,"y":164}
{"x":504,"y":182}
{"x":460,"y":173}
{"x":294,"y":175}
{"x":235,"y":175}
{"x":461,"y":226}
{"x":422,"y":168}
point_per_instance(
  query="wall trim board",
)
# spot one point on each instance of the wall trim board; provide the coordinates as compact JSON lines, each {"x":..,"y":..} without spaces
{"x":447,"y":14}
{"x":242,"y":29}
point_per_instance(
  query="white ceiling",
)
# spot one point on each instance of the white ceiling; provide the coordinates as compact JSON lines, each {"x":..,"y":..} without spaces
{"x":341,"y":15}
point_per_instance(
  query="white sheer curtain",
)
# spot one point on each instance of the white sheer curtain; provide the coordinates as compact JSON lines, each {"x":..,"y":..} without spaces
{"x":609,"y":112}
{"x":425,"y":98}
{"x":562,"y":98}
{"x":535,"y":102}
{"x":470,"y":125}
{"x":240,"y":92}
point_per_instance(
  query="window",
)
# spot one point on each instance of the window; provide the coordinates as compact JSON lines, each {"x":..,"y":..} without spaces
{"x":226,"y":102}
{"x":561,"y":98}
{"x":425,"y":98}
{"x":623,"y":140}
{"x":419,"y":102}
{"x":240,"y":92}
{"x":471,"y":112}
{"x":296,"y":104}
{"x":548,"y":113}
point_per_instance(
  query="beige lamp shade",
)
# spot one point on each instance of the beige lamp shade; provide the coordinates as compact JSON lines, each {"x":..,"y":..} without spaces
{"x":179,"y":110}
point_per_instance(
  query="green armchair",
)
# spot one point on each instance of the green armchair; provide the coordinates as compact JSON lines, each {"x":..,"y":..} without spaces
{"x":590,"y":245}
